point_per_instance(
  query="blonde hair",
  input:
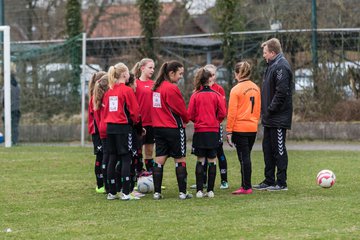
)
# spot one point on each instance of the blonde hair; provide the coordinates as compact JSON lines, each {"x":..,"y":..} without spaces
{"x":96,"y":76}
{"x":210,"y":67}
{"x":242,"y":71}
{"x":201,"y":78}
{"x":101,"y":86}
{"x":136,"y":70}
{"x":273,"y":45}
{"x":115,"y":72}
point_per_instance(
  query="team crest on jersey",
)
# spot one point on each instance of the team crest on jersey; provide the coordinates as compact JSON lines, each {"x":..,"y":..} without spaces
{"x":113,"y":103}
{"x":156,"y":100}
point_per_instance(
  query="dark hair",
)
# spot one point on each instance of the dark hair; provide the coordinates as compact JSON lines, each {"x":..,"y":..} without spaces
{"x":101,"y":86}
{"x":201,"y":78}
{"x":131,"y":80}
{"x":166,"y":68}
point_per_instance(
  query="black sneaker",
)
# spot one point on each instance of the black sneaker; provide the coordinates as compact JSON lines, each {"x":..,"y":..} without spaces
{"x":277,"y":188}
{"x":261,"y":186}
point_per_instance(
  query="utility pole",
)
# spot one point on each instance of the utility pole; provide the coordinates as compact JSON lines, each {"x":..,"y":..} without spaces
{"x":315,"y":60}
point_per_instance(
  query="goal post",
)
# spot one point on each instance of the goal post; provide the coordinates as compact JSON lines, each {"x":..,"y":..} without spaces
{"x":7,"y":87}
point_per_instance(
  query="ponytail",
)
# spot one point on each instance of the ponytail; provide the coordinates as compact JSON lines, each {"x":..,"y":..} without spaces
{"x":164,"y":71}
{"x":201,"y":78}
{"x":96,"y":76}
{"x":111,"y":76}
{"x":161,"y":76}
{"x":136,"y":70}
{"x":101,"y":86}
{"x":115,"y":72}
{"x":242,"y":71}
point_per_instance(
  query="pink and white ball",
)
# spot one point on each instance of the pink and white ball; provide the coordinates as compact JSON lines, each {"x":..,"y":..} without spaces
{"x":326,"y":178}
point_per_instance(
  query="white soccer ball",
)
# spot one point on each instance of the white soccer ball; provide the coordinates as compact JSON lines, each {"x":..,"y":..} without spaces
{"x":145,"y":184}
{"x":326,"y":178}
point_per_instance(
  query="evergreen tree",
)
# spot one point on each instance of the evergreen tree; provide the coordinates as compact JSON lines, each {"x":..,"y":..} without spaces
{"x":226,"y":13}
{"x":149,"y":18}
{"x":74,"y":28}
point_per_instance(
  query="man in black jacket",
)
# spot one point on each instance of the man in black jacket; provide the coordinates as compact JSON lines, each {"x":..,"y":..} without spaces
{"x":276,"y":114}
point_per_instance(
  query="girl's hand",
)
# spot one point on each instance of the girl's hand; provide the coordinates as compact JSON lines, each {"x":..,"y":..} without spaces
{"x":228,"y":139}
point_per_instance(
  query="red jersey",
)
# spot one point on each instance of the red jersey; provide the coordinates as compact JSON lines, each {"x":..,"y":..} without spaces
{"x":144,"y":98}
{"x":91,"y":123}
{"x":220,"y":90}
{"x":206,"y":109}
{"x":121,"y":105}
{"x":168,"y":109}
{"x":99,"y":119}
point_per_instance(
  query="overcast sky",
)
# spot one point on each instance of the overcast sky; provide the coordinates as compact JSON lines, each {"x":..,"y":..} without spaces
{"x":198,"y":6}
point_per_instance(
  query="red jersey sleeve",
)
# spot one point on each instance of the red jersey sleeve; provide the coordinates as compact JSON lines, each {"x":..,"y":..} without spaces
{"x":191,"y":108}
{"x":177,"y":104}
{"x":219,"y":89}
{"x":132,"y":105}
{"x":144,"y":97}
{"x":221,"y":114}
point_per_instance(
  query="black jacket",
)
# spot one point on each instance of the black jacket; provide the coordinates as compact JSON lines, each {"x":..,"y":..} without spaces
{"x":276,"y":94}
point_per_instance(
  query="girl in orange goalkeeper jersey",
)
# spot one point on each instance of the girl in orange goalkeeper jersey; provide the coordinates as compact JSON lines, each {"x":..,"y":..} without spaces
{"x":242,"y":121}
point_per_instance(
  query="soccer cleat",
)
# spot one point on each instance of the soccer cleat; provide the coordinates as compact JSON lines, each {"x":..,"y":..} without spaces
{"x":112,"y":196}
{"x":137,"y":194}
{"x":277,"y":188}
{"x":100,"y":190}
{"x":129,"y":197}
{"x":200,"y":194}
{"x":184,"y":196}
{"x":224,"y":185}
{"x":157,"y":196}
{"x":261,"y":186}
{"x":210,"y":194}
{"x":242,"y":191}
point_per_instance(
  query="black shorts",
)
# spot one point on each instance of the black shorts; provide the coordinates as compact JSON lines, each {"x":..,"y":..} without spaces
{"x":149,"y":137}
{"x":97,"y":143}
{"x":170,"y":142}
{"x":120,"y":143}
{"x":206,"y":140}
{"x":205,"y":144}
{"x":203,"y":152}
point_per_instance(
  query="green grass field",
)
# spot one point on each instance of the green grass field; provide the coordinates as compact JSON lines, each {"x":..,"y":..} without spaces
{"x":49,"y":193}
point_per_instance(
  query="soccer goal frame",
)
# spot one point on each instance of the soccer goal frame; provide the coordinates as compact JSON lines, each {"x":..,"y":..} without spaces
{"x":7,"y":88}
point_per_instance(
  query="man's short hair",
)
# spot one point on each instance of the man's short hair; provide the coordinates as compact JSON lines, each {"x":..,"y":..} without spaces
{"x":273,"y":45}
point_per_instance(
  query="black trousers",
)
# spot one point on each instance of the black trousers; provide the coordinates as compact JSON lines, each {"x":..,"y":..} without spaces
{"x":244,"y":146}
{"x":275,"y":156}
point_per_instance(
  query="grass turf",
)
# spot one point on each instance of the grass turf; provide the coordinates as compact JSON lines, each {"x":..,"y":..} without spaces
{"x":48,"y":192}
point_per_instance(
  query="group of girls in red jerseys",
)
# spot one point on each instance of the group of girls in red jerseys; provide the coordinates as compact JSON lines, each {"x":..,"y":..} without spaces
{"x":128,"y":112}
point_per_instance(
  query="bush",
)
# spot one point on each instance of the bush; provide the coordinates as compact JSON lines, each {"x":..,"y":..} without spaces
{"x":346,"y":111}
